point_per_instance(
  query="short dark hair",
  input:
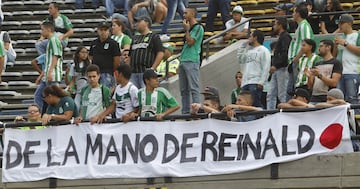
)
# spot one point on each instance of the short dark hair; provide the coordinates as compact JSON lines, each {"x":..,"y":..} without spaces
{"x":239,"y":72}
{"x":302,"y":10}
{"x":50,"y":25}
{"x":312,"y":43}
{"x":192,"y":8}
{"x":213,"y":99}
{"x":125,"y":70}
{"x":259,"y":36}
{"x":328,"y":42}
{"x":55,"y":91}
{"x":35,"y":105}
{"x":119,"y":23}
{"x":282,"y":21}
{"x":93,"y":68}
{"x":56,"y":5}
{"x":248,"y":96}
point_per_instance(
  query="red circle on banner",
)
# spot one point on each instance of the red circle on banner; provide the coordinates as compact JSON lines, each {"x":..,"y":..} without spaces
{"x":331,"y":136}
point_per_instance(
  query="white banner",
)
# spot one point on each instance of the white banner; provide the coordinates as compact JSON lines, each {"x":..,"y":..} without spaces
{"x":177,"y":149}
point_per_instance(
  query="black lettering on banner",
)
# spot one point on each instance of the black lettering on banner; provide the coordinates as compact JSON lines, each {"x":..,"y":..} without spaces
{"x":209,"y":145}
{"x":97,"y":145}
{"x":71,"y":146}
{"x":48,"y":153}
{"x":255,"y":149}
{"x":110,"y":152}
{"x":17,"y":161}
{"x":272,"y":145}
{"x":134,"y":151}
{"x":310,"y":142}
{"x":155,"y":148}
{"x":285,"y":151}
{"x":185,"y":145}
{"x":240,"y":147}
{"x":28,"y":152}
{"x":223,"y":144}
{"x":168,"y":138}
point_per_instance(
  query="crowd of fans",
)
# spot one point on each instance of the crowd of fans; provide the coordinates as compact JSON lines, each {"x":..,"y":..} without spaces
{"x":119,"y":75}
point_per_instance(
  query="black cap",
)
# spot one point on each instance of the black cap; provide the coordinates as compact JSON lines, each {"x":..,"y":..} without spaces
{"x":145,"y":18}
{"x":303,"y":93}
{"x":103,"y":25}
{"x":211,"y":91}
{"x":150,"y":73}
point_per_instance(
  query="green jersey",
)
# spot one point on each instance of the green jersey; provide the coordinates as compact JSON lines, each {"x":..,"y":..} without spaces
{"x":94,"y":100}
{"x":122,"y":39}
{"x":304,"y":63}
{"x":156,"y":102}
{"x":234,"y":93}
{"x":66,"y":104}
{"x":303,"y":31}
{"x":62,"y":24}
{"x":54,"y":48}
{"x":2,"y":49}
{"x":191,"y":53}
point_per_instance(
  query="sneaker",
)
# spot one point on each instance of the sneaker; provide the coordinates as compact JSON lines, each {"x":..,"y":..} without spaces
{"x":164,"y":38}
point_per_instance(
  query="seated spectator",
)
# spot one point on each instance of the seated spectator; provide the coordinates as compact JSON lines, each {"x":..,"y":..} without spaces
{"x":326,"y":74}
{"x":10,"y":54}
{"x":157,"y":10}
{"x":154,"y":100}
{"x":168,"y":62}
{"x":283,"y":9}
{"x":239,"y":32}
{"x":211,"y":103}
{"x":33,"y":116}
{"x":301,"y":99}
{"x":235,"y":92}
{"x":123,"y":40}
{"x":61,"y":107}
{"x":329,"y":23}
{"x":2,"y":59}
{"x":94,"y":98}
{"x":306,"y":61}
{"x":125,"y":101}
{"x":111,"y":5}
{"x":244,"y":102}
{"x":63,"y":28}
{"x":77,"y":72}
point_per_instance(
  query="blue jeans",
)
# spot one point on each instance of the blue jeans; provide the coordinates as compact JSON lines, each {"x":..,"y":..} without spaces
{"x":189,"y":83}
{"x":112,"y":4}
{"x":255,"y":92}
{"x":38,"y":97}
{"x":107,"y":80}
{"x":214,"y":6}
{"x":349,"y":84}
{"x":137,"y":80}
{"x":79,"y":4}
{"x":173,"y":7}
{"x":277,"y":88}
{"x":41,"y":46}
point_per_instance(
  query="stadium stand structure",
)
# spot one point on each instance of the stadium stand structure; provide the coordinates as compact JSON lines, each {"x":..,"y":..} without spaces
{"x":23,"y":19}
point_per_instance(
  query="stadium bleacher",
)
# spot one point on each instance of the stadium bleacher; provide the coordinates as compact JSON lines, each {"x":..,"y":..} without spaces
{"x":23,"y":18}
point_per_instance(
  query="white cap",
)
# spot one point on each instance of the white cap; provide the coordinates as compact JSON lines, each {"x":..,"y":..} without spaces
{"x":238,"y":9}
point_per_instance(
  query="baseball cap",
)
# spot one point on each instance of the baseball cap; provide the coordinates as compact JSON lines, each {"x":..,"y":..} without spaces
{"x":282,"y":6}
{"x":120,"y":17}
{"x":103,"y":25}
{"x":168,"y":47}
{"x":212,"y":91}
{"x":150,"y":73}
{"x":336,"y":93}
{"x":346,"y":18}
{"x":145,"y":18}
{"x":238,"y":9}
{"x":303,"y":93}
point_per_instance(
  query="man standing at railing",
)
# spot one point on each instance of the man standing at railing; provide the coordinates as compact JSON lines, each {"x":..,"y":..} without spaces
{"x":303,"y":31}
{"x":348,"y":52}
{"x":256,"y":67}
{"x":278,"y":72}
{"x":190,"y":60}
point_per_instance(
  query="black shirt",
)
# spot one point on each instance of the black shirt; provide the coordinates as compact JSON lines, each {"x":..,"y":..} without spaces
{"x":103,"y":54}
{"x":280,"y":58}
{"x":331,"y":25}
{"x":143,"y":51}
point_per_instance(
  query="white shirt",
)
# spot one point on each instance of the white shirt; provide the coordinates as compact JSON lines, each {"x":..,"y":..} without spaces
{"x":348,"y":59}
{"x":126,"y":99}
{"x":230,"y":23}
